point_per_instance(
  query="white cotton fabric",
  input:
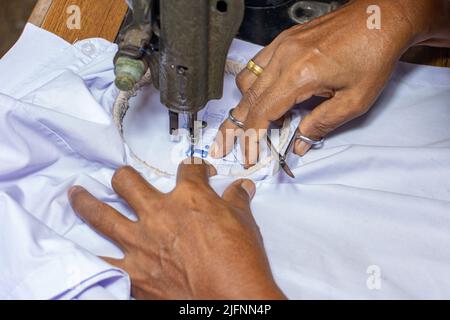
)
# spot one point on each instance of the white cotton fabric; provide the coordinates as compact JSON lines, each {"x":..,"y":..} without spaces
{"x":144,"y":108}
{"x":375,"y":197}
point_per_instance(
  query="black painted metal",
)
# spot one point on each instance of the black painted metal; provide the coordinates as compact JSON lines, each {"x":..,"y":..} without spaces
{"x":266,"y":19}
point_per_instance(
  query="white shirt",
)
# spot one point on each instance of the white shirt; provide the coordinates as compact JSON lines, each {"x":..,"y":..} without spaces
{"x":368,"y":215}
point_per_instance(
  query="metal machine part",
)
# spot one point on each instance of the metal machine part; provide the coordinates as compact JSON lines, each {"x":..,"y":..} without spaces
{"x":304,"y":11}
{"x":185,"y":44}
{"x":266,"y":19}
{"x":134,"y":38}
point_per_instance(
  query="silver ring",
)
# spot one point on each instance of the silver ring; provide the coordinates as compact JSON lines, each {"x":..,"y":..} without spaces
{"x":238,"y":123}
{"x":310,"y":141}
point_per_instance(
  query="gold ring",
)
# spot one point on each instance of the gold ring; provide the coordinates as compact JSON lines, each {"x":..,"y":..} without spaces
{"x":254,"y":68}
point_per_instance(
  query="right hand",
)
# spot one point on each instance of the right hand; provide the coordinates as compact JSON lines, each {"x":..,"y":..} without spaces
{"x":335,"y":56}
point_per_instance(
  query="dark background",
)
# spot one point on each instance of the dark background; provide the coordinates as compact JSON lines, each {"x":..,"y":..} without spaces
{"x":13,"y":17}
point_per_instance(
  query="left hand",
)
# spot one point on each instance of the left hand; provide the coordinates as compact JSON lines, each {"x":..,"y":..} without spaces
{"x":187,"y":244}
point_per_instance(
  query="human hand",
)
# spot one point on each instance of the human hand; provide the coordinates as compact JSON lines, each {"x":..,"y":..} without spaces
{"x":336,"y":56}
{"x":187,"y":244}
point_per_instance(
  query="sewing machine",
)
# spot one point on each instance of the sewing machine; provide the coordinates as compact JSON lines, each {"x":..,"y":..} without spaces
{"x":184,"y":43}
{"x":103,"y":18}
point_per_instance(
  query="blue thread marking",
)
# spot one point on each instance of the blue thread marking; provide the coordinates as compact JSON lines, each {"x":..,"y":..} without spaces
{"x":203,"y":153}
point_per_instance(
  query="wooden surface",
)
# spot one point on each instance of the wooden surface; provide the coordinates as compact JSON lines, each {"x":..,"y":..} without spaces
{"x":103,"y":18}
{"x":98,"y":18}
{"x":39,"y":12}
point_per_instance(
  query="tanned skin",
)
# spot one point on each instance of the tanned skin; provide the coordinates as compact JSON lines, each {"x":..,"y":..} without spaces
{"x":187,"y":244}
{"x":193,"y":244}
{"x":336,"y":56}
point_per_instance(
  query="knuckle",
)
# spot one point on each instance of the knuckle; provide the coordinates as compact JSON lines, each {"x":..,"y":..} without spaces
{"x":99,"y":208}
{"x":355,"y":112}
{"x":126,"y":235}
{"x":288,"y":45}
{"x":193,"y":194}
{"x":352,"y":108}
{"x":313,"y":52}
{"x":286,"y":34}
{"x":280,"y":38}
{"x":361,"y":104}
{"x":319,"y":128}
{"x":191,"y":187}
{"x":251,"y":96}
{"x":282,"y":49}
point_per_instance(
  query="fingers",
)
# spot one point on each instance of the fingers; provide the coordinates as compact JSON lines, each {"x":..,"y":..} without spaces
{"x":271,"y":105}
{"x":134,"y":189}
{"x":246,"y":78}
{"x":251,"y":87}
{"x":228,"y":131}
{"x":100,"y":216}
{"x":272,"y":95}
{"x":195,"y":170}
{"x":240,"y":193}
{"x":225,"y":139}
{"x":325,"y":118}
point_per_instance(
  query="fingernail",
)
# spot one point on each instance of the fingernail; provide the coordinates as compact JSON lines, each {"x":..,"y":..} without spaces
{"x":213,"y":151}
{"x":249,"y":187}
{"x":72,"y":191}
{"x":301,"y":148}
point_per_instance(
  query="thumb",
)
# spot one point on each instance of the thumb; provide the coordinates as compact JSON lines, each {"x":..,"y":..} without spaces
{"x":240,"y":193}
{"x":325,"y":118}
